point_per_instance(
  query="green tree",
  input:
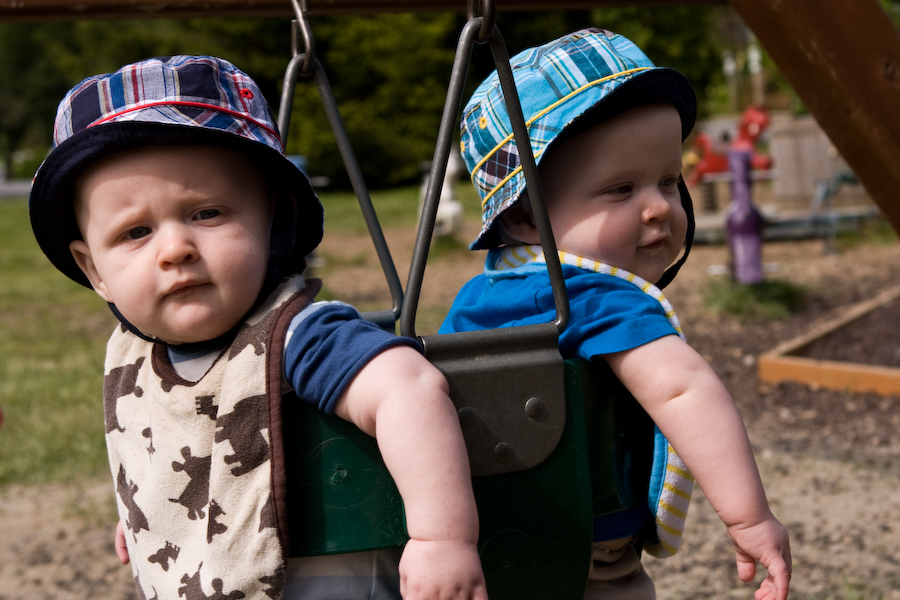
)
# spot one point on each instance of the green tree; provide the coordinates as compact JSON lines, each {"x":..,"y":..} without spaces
{"x":685,"y":38}
{"x":40,"y":62}
{"x":389,"y":74}
{"x":30,"y":87}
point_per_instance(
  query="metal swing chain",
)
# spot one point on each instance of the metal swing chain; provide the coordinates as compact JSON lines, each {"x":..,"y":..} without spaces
{"x":480,"y":30}
{"x":303,"y":29}
{"x":304,"y":63}
{"x":487,"y":16}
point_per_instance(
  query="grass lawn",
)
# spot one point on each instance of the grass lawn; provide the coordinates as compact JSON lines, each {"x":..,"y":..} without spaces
{"x":52,"y":339}
{"x":53,"y":336}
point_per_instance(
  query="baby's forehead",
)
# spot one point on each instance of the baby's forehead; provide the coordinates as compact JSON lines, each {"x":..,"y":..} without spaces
{"x":192,"y":165}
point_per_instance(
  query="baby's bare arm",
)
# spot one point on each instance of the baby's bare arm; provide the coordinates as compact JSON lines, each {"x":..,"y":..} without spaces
{"x":401,"y":399}
{"x":691,"y":406}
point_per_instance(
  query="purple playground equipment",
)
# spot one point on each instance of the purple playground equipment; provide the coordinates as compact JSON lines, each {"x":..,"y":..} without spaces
{"x":744,"y":223}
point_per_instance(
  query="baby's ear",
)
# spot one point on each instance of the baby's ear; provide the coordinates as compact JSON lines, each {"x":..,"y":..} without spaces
{"x":517,"y":222}
{"x":82,"y":255}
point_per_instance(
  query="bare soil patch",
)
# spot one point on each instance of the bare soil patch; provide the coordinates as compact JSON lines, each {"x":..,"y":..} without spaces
{"x":870,"y":340}
{"x":830,"y":460}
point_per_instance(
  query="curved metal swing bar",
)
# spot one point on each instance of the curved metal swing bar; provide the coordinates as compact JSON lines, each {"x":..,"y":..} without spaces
{"x":472,"y":33}
{"x":304,"y":64}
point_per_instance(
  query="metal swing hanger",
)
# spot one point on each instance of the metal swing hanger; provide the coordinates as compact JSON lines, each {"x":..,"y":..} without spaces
{"x":303,"y":64}
{"x":480,"y":30}
{"x":507,"y":384}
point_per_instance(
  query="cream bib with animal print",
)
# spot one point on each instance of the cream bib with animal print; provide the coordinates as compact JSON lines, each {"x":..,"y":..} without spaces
{"x":198,"y":487}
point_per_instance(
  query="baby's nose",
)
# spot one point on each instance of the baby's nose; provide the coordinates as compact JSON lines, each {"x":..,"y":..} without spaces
{"x":658,"y":206}
{"x":176,"y":247}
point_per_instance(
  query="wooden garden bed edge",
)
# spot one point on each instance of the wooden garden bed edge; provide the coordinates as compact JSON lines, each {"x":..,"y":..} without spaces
{"x":782,"y":363}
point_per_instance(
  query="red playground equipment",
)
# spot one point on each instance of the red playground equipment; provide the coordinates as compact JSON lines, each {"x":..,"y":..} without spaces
{"x":710,"y":156}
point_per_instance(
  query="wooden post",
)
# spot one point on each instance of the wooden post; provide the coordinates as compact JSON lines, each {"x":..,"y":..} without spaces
{"x":843,"y":60}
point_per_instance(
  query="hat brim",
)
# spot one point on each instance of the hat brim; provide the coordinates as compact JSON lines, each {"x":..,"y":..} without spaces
{"x":51,"y":201}
{"x":656,"y":86}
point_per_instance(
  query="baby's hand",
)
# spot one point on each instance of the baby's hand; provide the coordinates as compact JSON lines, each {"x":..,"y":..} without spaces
{"x":766,"y":542}
{"x":121,"y":548}
{"x":441,"y":570}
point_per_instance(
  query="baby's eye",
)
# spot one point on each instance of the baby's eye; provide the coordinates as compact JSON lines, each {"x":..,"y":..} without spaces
{"x":208,"y":213}
{"x":137,"y":233}
{"x":622,"y":189}
{"x":669,"y":182}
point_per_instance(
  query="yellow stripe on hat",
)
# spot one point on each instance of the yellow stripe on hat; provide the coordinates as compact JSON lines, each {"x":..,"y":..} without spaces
{"x":537,"y":116}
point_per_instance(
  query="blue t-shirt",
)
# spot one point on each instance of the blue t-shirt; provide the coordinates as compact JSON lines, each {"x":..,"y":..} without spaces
{"x":327,"y":344}
{"x":606,"y":314}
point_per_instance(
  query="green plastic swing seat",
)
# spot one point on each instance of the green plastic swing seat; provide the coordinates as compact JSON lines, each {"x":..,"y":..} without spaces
{"x":536,"y":521}
{"x":551,"y":443}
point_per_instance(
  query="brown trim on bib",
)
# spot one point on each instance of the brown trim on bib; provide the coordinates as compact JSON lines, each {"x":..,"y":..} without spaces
{"x":274,"y":379}
{"x":162,"y":366}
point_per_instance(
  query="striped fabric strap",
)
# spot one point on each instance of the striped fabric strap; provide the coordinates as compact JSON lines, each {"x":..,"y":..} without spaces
{"x":671,"y":505}
{"x":671,"y":479}
{"x":516,"y":256}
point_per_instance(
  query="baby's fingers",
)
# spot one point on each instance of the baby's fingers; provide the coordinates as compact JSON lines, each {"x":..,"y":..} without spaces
{"x":780,"y":576}
{"x":121,"y":548}
{"x":776,"y":585}
{"x":770,"y":590}
{"x":746,"y":566}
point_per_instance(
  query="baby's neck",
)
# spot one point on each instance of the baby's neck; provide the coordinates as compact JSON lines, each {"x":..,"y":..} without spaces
{"x":192,"y":362}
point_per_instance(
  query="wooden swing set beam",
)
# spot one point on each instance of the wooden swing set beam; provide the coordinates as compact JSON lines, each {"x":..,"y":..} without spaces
{"x":37,"y":10}
{"x":842,"y":58}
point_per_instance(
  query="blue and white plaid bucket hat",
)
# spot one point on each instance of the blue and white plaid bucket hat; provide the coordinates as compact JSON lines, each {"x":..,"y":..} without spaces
{"x":565,"y":87}
{"x":178,"y":100}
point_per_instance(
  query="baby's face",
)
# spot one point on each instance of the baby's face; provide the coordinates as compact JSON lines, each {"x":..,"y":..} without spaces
{"x":612,"y":192}
{"x":177,"y":237}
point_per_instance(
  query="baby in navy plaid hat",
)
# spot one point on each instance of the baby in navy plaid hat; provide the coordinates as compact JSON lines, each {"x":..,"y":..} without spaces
{"x":168,"y":193}
{"x":606,"y":127}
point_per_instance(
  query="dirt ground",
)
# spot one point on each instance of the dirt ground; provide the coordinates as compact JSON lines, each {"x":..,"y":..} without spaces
{"x":830,"y":460}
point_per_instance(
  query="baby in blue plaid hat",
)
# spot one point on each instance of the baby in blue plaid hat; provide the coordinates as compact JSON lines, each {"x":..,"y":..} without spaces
{"x":606,"y":128}
{"x":168,"y":193}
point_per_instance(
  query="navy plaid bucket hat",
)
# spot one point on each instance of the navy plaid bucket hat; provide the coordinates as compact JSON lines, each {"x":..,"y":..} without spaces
{"x":565,"y":87}
{"x":178,"y":100}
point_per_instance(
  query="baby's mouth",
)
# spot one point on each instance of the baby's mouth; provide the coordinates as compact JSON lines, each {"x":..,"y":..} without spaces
{"x":660,"y":243}
{"x":183,"y":288}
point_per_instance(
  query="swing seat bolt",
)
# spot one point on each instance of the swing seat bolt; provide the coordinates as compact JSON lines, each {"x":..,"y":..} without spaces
{"x":339,"y":475}
{"x":503,"y":452}
{"x":465,"y":416}
{"x":534,"y":407}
